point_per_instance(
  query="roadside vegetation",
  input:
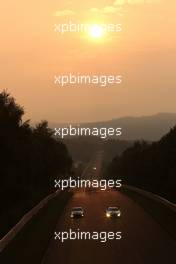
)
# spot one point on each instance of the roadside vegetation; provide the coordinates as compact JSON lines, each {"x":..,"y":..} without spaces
{"x":31,"y":243}
{"x":30,"y":160}
{"x":149,"y":166}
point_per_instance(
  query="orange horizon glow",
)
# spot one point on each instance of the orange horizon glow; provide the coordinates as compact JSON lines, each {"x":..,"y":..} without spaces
{"x":144,"y":52}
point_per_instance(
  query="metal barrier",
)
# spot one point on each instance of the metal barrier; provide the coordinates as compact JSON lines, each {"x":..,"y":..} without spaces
{"x":151,"y":196}
{"x":24,"y":220}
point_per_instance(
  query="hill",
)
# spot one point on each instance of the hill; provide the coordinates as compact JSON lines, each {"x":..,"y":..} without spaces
{"x":150,"y":128}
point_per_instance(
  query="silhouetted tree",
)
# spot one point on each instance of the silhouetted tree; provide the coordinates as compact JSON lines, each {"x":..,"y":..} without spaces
{"x":30,"y":158}
{"x":149,"y":166}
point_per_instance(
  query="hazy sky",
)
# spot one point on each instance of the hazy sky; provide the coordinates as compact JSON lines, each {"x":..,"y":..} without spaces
{"x":31,"y":53}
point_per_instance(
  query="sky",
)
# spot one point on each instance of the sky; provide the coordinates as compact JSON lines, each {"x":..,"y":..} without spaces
{"x":144,"y":53}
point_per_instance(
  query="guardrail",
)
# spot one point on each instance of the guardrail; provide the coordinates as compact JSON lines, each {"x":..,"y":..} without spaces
{"x":24,"y":220}
{"x":152,"y":196}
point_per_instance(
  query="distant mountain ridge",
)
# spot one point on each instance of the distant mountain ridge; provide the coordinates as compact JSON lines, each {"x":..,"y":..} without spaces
{"x":149,"y":128}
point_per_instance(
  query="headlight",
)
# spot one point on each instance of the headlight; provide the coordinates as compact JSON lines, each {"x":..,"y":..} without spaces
{"x":108,"y":215}
{"x":71,"y":215}
{"x":119,"y":214}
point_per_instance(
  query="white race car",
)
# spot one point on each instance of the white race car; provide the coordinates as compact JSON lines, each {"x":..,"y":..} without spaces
{"x":113,"y":212}
{"x":77,"y":212}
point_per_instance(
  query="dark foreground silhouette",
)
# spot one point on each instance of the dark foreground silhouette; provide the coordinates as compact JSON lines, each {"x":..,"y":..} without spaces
{"x":150,"y":166}
{"x":30,"y":158}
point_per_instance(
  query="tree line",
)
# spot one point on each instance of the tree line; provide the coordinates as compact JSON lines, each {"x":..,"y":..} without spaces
{"x":30,"y":159}
{"x":150,"y":166}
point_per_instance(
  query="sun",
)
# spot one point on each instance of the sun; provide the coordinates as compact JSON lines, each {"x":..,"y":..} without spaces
{"x":96,"y":31}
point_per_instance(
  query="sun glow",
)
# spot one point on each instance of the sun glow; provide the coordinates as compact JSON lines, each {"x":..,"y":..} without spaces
{"x":96,"y":31}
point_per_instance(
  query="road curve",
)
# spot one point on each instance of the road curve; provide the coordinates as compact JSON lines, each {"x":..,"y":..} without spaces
{"x":143,"y":240}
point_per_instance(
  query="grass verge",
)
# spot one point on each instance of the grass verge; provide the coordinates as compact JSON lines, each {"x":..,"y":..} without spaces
{"x":161,"y":213}
{"x":30,"y":244}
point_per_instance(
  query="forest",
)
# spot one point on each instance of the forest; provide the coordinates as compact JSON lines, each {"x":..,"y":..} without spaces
{"x":30,"y":159}
{"x":149,"y":166}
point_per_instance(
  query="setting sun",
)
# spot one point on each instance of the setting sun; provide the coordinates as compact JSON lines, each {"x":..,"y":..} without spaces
{"x":96,"y":31}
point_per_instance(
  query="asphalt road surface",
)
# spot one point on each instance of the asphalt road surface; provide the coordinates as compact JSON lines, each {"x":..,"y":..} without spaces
{"x":143,"y":240}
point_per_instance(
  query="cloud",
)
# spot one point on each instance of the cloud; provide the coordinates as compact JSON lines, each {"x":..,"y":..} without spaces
{"x":94,"y":10}
{"x":63,"y":13}
{"x":134,"y":2}
{"x":117,"y":6}
{"x":105,"y":10}
{"x":109,"y":10}
{"x":119,"y":2}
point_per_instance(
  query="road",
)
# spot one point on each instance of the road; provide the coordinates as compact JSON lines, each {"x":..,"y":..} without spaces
{"x":143,"y":241}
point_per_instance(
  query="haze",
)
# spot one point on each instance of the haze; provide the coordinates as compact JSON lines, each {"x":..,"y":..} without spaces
{"x":145,"y":53}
